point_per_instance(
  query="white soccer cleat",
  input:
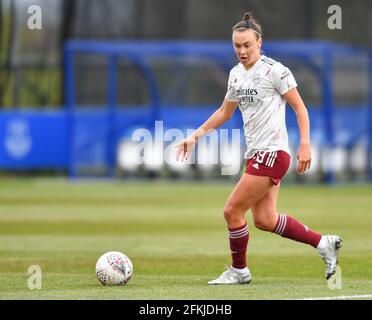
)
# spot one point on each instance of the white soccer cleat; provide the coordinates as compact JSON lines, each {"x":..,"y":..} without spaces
{"x":230,"y":276}
{"x":328,"y":250}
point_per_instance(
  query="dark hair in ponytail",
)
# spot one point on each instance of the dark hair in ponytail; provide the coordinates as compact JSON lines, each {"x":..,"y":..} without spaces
{"x":248,"y":22}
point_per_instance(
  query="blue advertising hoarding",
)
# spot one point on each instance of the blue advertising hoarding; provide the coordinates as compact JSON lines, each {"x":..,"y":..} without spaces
{"x":33,"y":139}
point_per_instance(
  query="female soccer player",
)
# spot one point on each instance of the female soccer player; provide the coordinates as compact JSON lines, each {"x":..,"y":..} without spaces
{"x":261,"y":86}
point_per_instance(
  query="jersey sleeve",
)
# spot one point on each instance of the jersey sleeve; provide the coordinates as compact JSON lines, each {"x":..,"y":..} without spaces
{"x":283,"y":79}
{"x":231,"y":92}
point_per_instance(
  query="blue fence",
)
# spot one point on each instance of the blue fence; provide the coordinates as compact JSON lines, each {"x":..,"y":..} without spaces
{"x":89,"y":137}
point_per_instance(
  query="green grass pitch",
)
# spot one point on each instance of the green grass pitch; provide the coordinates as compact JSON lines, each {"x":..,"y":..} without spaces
{"x":176,"y":237}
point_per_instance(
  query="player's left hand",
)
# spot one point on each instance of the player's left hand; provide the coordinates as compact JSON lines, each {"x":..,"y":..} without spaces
{"x":304,"y":158}
{"x":184,"y":148}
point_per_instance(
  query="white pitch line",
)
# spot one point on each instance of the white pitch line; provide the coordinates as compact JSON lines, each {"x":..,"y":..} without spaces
{"x":341,"y":297}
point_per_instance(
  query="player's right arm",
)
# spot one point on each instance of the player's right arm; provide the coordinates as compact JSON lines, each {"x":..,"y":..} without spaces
{"x":217,"y":119}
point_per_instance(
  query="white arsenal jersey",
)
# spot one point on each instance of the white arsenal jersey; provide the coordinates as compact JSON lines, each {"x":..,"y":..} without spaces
{"x":259,"y":93}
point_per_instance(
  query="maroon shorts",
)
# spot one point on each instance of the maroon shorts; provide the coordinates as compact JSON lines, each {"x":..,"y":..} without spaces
{"x":273,"y":164}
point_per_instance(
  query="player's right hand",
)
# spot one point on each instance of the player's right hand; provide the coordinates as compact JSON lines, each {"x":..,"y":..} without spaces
{"x":184,"y":148}
{"x":304,"y":158}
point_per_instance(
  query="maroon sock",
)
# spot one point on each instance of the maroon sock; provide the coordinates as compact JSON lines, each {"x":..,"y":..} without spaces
{"x":289,"y":227}
{"x":238,"y":238}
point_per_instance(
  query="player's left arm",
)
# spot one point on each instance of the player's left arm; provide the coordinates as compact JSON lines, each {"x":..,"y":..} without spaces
{"x":304,"y":153}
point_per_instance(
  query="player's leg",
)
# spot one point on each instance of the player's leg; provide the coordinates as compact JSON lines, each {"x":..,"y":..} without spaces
{"x":249,"y":190}
{"x":266,"y":218}
{"x":264,"y":213}
{"x":246,"y":193}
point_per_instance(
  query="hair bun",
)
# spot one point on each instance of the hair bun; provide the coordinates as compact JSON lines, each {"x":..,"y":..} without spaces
{"x":247,"y":16}
{"x":248,"y":22}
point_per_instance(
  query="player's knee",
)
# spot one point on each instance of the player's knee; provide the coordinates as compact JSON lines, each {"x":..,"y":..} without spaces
{"x":230,"y":213}
{"x":264,"y":225}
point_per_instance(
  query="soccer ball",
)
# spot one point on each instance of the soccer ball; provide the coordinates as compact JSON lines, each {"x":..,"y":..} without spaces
{"x":114,"y":268}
